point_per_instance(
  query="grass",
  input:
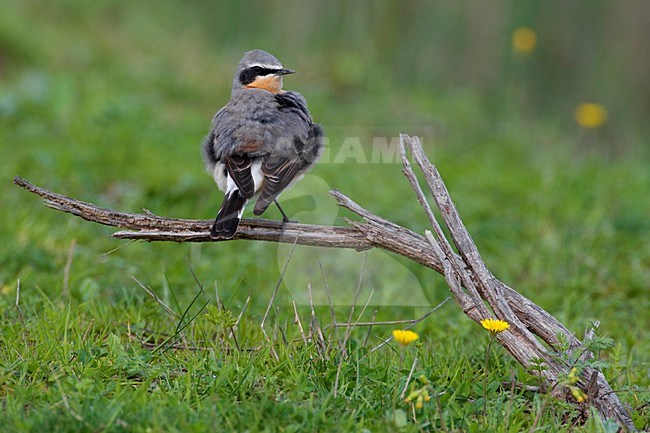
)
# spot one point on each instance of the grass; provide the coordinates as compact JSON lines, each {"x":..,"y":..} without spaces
{"x":109,"y":103}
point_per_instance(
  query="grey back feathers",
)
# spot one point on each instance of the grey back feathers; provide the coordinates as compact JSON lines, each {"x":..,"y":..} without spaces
{"x":257,"y":122}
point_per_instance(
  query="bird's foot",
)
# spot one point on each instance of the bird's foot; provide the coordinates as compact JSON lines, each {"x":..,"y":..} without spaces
{"x":285,"y":218}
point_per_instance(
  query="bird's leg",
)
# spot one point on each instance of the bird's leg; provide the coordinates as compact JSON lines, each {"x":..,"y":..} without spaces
{"x":285,"y":218}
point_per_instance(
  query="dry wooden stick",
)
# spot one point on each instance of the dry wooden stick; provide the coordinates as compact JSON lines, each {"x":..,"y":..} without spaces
{"x":470,"y":281}
{"x":519,"y":341}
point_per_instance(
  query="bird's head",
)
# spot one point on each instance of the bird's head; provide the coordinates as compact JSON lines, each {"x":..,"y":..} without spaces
{"x":260,"y":70}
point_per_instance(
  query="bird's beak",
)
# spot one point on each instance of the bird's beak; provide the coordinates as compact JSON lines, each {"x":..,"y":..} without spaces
{"x":285,"y":72}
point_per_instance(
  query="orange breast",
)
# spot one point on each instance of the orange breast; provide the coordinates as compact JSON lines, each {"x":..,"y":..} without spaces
{"x":271,"y":83}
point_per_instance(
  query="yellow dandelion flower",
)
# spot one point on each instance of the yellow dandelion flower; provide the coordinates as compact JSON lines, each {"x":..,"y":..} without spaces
{"x":495,"y":326}
{"x":590,"y":115}
{"x":524,"y":40}
{"x":405,"y":337}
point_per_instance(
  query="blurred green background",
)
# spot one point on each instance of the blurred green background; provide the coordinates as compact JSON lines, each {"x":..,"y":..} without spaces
{"x":108,"y":101}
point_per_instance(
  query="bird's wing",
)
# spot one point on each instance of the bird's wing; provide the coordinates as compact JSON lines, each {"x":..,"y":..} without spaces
{"x":278,"y":173}
{"x":239,"y":170}
{"x":294,"y":102}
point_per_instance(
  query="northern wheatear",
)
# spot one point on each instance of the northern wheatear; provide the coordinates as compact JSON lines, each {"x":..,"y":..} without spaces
{"x":262,"y":141}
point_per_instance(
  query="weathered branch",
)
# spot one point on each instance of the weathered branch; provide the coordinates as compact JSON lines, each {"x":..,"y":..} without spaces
{"x":150,"y":227}
{"x":504,"y":301}
{"x":473,"y":286}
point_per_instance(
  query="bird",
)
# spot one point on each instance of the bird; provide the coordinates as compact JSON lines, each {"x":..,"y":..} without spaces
{"x":260,"y":143}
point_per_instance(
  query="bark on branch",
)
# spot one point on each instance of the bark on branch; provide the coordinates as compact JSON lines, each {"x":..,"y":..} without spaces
{"x":476,"y":290}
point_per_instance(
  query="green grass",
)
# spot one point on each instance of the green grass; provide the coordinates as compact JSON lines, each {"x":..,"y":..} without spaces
{"x":108,"y":102}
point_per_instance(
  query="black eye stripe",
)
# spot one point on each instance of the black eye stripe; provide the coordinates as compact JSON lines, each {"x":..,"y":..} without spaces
{"x":248,"y":75}
{"x":259,"y":70}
